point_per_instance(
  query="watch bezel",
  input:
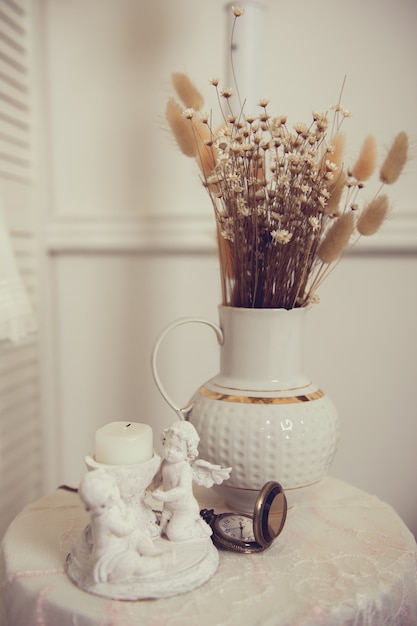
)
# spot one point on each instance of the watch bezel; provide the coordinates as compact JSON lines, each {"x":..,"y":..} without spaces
{"x":261,"y":527}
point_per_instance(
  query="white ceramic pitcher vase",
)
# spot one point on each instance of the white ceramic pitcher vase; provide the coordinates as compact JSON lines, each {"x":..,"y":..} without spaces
{"x":260,"y":415}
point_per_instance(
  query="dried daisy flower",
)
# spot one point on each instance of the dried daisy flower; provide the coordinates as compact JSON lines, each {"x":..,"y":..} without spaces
{"x":237,"y":11}
{"x":281,"y":236}
{"x":286,"y":205}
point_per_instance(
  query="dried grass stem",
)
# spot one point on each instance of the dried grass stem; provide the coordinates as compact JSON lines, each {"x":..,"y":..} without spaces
{"x":285,"y":204}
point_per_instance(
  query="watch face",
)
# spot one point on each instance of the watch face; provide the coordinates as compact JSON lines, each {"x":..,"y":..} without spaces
{"x":237,"y":527}
{"x":234,"y":531}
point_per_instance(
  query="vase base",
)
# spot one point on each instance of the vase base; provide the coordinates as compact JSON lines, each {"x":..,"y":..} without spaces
{"x":243,"y":500}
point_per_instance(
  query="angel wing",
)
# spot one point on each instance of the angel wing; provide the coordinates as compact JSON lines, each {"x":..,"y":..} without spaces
{"x":207,"y":474}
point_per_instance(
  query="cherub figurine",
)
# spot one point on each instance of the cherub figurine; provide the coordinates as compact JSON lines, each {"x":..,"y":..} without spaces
{"x":120,"y":549}
{"x":180,"y":520}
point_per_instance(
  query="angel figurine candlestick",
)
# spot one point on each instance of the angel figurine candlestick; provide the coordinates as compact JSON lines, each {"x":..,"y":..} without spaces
{"x":181,"y":519}
{"x":129,"y":551}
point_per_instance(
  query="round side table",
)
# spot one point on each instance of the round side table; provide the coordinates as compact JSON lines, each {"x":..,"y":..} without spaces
{"x":344,"y":557}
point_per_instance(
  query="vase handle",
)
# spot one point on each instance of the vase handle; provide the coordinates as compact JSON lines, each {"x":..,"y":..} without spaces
{"x":182,"y":412}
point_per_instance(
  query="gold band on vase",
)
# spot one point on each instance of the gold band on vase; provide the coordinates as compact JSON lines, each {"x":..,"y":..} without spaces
{"x":215,"y":395}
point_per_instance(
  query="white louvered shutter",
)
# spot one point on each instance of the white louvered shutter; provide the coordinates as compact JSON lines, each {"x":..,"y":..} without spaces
{"x":20,"y":472}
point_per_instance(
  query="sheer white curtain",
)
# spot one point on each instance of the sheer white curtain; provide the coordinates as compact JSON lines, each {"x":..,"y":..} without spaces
{"x":17,"y":317}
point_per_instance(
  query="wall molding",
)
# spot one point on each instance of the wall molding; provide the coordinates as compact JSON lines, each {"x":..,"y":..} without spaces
{"x":131,"y":232}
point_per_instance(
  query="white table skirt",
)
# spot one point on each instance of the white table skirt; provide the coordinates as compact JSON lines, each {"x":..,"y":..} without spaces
{"x":343,"y":558}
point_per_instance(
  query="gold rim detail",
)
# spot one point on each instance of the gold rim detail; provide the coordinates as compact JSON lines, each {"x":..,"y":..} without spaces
{"x":215,"y":395}
{"x":256,"y":490}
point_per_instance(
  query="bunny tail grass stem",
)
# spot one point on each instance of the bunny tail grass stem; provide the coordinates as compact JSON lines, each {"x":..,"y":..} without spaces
{"x":181,"y":129}
{"x":395,"y":160}
{"x":286,"y":205}
{"x":364,"y":166}
{"x":187,"y":91}
{"x":336,"y":238}
{"x":373,"y":216}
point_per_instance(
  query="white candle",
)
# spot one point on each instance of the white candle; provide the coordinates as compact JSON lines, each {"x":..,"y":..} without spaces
{"x":124,"y":443}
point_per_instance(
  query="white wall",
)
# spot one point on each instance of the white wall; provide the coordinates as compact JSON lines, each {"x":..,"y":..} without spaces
{"x":130,"y":232}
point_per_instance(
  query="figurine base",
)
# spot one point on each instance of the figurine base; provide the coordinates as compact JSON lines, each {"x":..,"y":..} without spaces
{"x":185,"y":566}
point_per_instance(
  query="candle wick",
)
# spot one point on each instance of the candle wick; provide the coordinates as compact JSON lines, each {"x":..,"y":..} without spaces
{"x":127,"y":425}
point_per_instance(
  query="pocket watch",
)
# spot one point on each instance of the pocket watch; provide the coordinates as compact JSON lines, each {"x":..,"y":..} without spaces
{"x":245,"y":533}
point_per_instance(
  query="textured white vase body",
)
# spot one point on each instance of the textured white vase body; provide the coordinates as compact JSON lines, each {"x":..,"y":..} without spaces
{"x":261,"y":415}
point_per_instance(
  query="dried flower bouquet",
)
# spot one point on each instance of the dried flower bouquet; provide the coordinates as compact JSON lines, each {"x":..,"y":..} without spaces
{"x":286,"y":205}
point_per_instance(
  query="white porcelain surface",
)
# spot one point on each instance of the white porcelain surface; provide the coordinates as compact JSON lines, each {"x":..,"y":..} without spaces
{"x":261,"y":415}
{"x":262,"y":349}
{"x":291,"y":443}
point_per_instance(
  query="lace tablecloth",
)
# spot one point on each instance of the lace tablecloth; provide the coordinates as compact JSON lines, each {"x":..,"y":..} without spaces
{"x":343,"y":558}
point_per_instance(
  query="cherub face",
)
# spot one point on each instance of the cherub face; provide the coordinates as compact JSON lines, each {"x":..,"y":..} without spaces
{"x":175,"y":449}
{"x":98,"y":508}
{"x":98,"y":492}
{"x":98,"y":504}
